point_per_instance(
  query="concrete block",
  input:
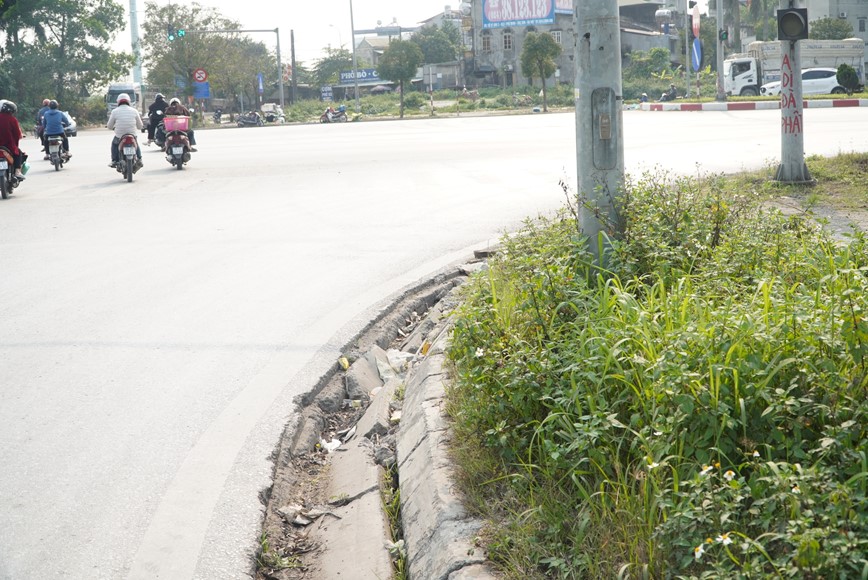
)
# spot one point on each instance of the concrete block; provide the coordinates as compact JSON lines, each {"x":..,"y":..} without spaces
{"x":448,"y":549}
{"x":353,"y":546}
{"x":353,"y":471}
{"x":375,"y":421}
{"x":473,"y":572}
{"x":362,"y":377}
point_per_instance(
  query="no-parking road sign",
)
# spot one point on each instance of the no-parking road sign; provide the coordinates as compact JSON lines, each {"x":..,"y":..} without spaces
{"x":199,"y":75}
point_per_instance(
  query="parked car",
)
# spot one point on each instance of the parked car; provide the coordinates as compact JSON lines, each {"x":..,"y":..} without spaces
{"x":815,"y":81}
{"x":71,"y":130}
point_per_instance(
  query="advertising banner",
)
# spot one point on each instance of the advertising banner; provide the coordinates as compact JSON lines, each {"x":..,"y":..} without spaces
{"x":506,"y":13}
{"x":564,"y":6}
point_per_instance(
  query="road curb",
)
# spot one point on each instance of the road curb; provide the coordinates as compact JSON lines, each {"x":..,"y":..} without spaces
{"x":751,"y":105}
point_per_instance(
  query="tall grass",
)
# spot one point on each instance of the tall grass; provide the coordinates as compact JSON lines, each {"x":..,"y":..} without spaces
{"x":698,"y":410}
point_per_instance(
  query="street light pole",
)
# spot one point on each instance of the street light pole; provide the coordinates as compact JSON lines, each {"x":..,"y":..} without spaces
{"x":355,"y":68}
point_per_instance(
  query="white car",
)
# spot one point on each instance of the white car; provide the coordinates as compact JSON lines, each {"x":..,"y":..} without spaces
{"x":815,"y":81}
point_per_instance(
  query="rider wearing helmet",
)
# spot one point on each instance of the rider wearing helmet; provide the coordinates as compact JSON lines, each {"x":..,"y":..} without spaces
{"x":124,"y":120}
{"x":176,"y":108}
{"x":10,"y":135}
{"x":54,"y":121}
{"x":40,"y":127}
{"x":156,"y":112}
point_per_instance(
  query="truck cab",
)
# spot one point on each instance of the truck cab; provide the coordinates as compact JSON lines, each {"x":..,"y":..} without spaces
{"x":741,"y":76}
{"x":134,"y":90}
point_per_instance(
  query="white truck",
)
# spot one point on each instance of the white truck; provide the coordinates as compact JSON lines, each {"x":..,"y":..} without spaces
{"x":134,"y":90}
{"x":744,"y":74}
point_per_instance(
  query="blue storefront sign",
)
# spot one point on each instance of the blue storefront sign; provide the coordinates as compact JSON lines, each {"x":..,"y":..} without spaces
{"x":202,"y":90}
{"x":364,"y":74}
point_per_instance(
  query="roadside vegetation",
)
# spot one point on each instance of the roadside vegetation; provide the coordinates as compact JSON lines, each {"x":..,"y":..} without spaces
{"x":696,"y":410}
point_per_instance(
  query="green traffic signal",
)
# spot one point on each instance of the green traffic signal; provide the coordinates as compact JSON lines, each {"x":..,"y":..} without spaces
{"x":170,"y":33}
{"x":181,"y":33}
{"x":723,"y":34}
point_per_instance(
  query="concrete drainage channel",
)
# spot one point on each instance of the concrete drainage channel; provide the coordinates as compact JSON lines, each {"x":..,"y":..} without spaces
{"x":374,"y":437}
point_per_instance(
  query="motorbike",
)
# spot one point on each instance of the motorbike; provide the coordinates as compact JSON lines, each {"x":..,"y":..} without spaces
{"x":8,"y":181}
{"x":218,"y":115}
{"x":334,"y":116}
{"x":177,"y":144}
{"x":251,"y":119}
{"x":56,"y":153}
{"x":129,"y":162}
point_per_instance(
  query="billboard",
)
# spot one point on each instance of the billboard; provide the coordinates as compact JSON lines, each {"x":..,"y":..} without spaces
{"x":564,"y":6}
{"x":364,"y":74}
{"x":506,"y":13}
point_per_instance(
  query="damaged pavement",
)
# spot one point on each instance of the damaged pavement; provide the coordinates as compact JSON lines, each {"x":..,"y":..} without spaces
{"x":375,"y":430}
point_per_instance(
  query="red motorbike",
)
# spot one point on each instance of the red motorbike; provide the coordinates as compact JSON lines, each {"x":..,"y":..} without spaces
{"x":129,"y":160}
{"x":177,"y":143}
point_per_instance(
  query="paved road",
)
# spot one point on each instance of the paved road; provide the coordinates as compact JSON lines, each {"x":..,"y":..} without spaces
{"x":154,"y":334}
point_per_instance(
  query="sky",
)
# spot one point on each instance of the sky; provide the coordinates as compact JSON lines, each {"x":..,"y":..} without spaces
{"x":316,"y":24}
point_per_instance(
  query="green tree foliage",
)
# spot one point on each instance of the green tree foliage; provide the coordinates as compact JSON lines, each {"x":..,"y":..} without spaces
{"x":231,"y":60}
{"x":538,"y":58}
{"x":830,"y":29}
{"x":435,"y":44}
{"x":59,"y":50}
{"x":327,"y":70}
{"x":848,"y":78}
{"x":399,"y":63}
{"x":761,"y":15}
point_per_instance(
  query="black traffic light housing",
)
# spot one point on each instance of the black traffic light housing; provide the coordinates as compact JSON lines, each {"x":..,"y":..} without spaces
{"x":723,"y":34}
{"x":793,"y":24}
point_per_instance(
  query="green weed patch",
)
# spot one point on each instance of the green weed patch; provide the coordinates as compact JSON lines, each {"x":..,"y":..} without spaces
{"x":697,"y":410}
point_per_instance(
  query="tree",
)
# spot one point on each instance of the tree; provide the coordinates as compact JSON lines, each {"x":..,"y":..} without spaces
{"x":232,"y":60}
{"x":830,"y":29}
{"x":327,"y":70}
{"x":435,"y":44}
{"x":399,"y":64}
{"x":538,"y":58}
{"x":59,"y":49}
{"x":848,"y":78}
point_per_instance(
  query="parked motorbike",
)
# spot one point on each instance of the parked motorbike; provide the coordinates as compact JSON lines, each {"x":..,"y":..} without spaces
{"x":56,"y":153}
{"x":251,"y":119}
{"x":334,"y":116}
{"x":218,"y":114}
{"x":129,"y":161}
{"x":177,"y":144}
{"x":8,"y":181}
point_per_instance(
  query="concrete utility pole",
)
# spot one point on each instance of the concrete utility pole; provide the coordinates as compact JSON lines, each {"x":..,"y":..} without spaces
{"x":137,"y":48}
{"x":294,"y":76}
{"x":792,"y":168}
{"x":355,"y":66}
{"x":721,"y":90}
{"x":599,"y":130}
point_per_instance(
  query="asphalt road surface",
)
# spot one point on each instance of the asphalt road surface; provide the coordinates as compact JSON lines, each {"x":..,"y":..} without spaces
{"x":153,"y":335}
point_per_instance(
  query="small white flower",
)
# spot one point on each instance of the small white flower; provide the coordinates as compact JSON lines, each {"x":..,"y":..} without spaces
{"x":796,"y":489}
{"x":480,"y":353}
{"x":756,"y":454}
{"x":658,"y":433}
{"x":698,"y":551}
{"x":652,"y":465}
{"x":706,"y":469}
{"x":724,"y":539}
{"x":729,"y":475}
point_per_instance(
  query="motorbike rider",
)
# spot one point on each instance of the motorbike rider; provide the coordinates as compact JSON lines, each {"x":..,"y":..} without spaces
{"x":124,"y":120}
{"x":11,"y":135}
{"x":53,"y":122}
{"x":40,"y":127}
{"x":176,"y":108}
{"x":156,"y":112}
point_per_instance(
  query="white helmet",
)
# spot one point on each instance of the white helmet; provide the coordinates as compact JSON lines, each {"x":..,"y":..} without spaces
{"x":123,"y":98}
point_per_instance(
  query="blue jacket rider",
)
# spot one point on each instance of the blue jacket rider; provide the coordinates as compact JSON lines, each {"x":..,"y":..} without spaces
{"x":54,"y":122}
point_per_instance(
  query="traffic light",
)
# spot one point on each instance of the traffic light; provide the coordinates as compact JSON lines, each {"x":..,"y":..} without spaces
{"x":691,"y":4}
{"x":793,"y":24}
{"x":181,"y":33}
{"x":170,"y":33}
{"x":723,"y":34}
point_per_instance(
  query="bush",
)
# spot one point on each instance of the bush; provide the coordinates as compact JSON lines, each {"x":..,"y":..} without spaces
{"x":848,"y":78}
{"x":415,"y":100}
{"x":698,"y":410}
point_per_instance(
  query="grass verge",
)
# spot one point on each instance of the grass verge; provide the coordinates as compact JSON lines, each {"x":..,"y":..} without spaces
{"x":696,"y":410}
